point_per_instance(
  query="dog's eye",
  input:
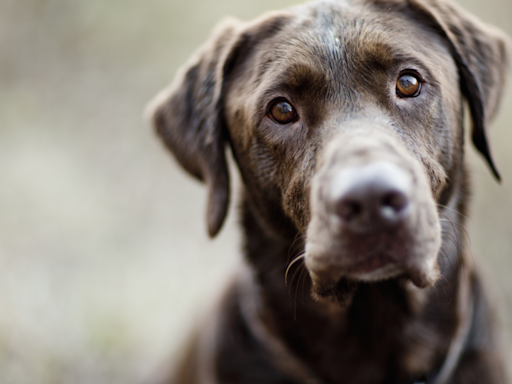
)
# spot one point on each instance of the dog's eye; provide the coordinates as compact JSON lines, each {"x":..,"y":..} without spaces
{"x":408,"y":85}
{"x":282,"y":112}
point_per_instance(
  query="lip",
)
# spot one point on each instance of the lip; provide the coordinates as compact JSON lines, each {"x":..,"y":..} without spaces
{"x":379,"y":266}
{"x":373,"y":270}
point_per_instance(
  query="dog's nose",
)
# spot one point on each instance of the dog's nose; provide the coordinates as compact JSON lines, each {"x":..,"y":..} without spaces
{"x":371,"y":197}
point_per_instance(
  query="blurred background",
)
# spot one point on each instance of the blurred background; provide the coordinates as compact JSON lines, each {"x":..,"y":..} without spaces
{"x":104,"y":257}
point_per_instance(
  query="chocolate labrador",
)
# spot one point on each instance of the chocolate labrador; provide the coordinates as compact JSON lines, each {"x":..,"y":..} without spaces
{"x":345,"y":118}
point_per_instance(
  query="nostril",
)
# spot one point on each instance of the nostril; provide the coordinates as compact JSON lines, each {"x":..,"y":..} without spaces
{"x":393,"y":204}
{"x":349,"y":209}
{"x":370,"y":197}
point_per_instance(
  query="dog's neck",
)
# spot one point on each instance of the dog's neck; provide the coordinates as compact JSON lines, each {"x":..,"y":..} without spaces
{"x":380,"y":324}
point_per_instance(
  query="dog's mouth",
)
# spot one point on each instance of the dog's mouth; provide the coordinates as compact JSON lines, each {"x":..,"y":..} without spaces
{"x":343,"y":291}
{"x":340,"y":284}
{"x":338,"y":275}
{"x":375,"y":268}
{"x":340,"y":292}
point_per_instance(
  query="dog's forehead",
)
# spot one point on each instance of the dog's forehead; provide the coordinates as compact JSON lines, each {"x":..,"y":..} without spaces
{"x":337,"y":37}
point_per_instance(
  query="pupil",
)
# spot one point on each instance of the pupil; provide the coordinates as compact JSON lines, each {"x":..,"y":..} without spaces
{"x":408,"y":82}
{"x":285,"y":108}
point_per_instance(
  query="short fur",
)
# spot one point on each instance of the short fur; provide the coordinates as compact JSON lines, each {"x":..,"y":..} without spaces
{"x":400,"y":305}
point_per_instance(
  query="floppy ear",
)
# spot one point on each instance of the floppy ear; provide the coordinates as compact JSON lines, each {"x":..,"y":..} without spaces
{"x":481,"y":54}
{"x":188,"y":117}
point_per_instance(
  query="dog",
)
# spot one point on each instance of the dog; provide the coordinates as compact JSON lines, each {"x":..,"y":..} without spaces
{"x":346,"y":121}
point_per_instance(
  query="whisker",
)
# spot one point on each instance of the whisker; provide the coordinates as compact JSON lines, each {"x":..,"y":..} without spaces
{"x":453,"y":210}
{"x":298,"y":237}
{"x":304,"y":285}
{"x":298,"y":258}
{"x":442,"y":286}
{"x":289,"y":289}
{"x":457,"y":245}
{"x":297,"y":290}
{"x":466,"y":234}
{"x":448,"y":236}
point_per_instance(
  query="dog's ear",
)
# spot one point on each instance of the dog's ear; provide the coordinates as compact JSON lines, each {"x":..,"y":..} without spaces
{"x":188,"y":117}
{"x":481,"y":54}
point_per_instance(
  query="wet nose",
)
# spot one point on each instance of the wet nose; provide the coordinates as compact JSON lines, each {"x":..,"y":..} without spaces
{"x":371,"y":197}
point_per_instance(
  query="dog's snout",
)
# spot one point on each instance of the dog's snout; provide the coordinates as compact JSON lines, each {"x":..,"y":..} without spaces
{"x":371,"y":197}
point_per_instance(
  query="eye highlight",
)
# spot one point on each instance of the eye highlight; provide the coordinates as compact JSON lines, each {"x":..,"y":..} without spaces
{"x":408,"y":85}
{"x":282,"y":112}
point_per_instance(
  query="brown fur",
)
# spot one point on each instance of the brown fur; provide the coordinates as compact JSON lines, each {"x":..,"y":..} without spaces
{"x":399,"y":304}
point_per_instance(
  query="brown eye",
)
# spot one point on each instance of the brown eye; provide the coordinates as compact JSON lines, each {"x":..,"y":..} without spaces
{"x":282,"y":112}
{"x":408,"y":85}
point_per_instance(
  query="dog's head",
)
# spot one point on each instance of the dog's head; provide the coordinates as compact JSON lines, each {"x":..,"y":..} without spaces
{"x":346,"y":121}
